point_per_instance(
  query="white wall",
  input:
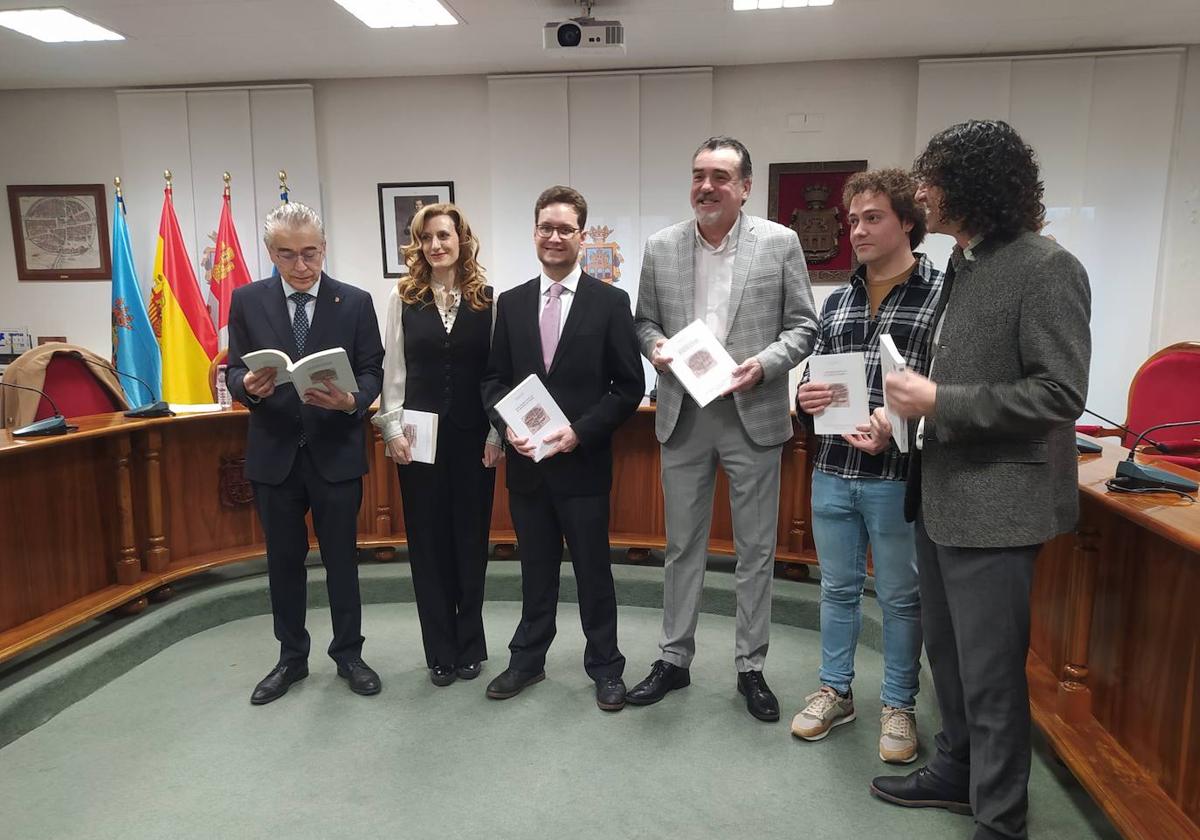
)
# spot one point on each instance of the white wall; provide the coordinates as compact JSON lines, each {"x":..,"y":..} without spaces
{"x":372,"y":131}
{"x":1177,"y":314}
{"x":868,"y":110}
{"x":57,"y":137}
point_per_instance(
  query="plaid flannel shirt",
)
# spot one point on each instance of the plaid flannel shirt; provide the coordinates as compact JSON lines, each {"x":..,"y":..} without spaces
{"x":847,"y":327}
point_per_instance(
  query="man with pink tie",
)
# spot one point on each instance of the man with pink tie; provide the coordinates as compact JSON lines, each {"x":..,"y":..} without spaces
{"x":576,"y":334}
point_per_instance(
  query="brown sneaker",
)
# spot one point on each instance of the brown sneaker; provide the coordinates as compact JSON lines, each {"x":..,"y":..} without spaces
{"x":825,"y":710}
{"x":898,"y":735}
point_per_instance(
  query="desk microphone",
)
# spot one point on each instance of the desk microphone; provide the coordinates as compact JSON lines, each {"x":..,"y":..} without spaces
{"x":155,"y":408}
{"x":56,"y":425}
{"x":1131,"y":475}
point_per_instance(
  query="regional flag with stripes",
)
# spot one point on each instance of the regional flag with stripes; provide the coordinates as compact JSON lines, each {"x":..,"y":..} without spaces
{"x":187,"y":336}
{"x":228,"y":271}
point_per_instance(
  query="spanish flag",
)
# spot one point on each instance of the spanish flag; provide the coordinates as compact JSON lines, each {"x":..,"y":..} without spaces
{"x":228,"y":270}
{"x":187,"y":338}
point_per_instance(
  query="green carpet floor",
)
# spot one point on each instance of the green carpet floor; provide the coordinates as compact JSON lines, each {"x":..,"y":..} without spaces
{"x":164,"y":743}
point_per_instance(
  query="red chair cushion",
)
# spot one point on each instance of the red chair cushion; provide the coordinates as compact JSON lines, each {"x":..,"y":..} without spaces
{"x":74,"y":389}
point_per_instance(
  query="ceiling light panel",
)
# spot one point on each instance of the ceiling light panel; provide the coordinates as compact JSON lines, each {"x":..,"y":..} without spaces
{"x":55,"y":26}
{"x":755,"y":5}
{"x":389,"y":14}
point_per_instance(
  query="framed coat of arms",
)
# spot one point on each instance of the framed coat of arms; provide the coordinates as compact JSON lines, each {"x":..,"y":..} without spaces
{"x":807,"y":197}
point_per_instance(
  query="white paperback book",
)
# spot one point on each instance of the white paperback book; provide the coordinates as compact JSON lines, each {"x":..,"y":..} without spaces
{"x":890,"y":361}
{"x":532,"y":413}
{"x":421,"y":429}
{"x":700,"y":363}
{"x":313,"y":371}
{"x":846,"y":376}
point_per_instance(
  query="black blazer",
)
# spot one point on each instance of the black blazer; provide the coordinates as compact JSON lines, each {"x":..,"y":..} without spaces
{"x":595,"y":377}
{"x":344,"y":317}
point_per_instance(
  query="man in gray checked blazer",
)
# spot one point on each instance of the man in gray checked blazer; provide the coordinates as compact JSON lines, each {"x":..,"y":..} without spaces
{"x":995,"y":473}
{"x":746,"y":278}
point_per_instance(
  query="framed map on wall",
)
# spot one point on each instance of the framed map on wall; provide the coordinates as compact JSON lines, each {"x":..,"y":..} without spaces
{"x":60,"y":231}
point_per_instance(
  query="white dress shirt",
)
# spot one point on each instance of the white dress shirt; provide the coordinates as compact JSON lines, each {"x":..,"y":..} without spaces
{"x":570,"y":283}
{"x":714,"y":280}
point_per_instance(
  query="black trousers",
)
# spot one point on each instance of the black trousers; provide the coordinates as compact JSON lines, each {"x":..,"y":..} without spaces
{"x":542,"y":521}
{"x":334,"y":506}
{"x":975,"y":618}
{"x":447,"y":513}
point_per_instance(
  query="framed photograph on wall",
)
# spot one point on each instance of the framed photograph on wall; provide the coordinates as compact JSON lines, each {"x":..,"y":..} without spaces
{"x":398,"y":203}
{"x":60,"y":231}
{"x":807,"y":197}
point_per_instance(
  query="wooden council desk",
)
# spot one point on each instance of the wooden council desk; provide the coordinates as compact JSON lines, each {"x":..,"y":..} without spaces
{"x":103,"y":517}
{"x":113,"y":513}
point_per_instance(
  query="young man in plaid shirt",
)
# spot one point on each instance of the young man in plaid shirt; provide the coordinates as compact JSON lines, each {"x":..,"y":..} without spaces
{"x":858,"y":480}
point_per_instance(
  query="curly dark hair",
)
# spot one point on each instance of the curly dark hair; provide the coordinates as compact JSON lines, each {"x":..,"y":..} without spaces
{"x":989,"y":178}
{"x":901,"y":190}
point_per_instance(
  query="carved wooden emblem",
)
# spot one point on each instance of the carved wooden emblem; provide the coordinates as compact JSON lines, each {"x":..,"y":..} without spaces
{"x":234,"y":489}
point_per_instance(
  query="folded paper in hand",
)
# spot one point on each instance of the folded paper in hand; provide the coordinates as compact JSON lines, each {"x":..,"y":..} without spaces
{"x":845,"y":374}
{"x":421,"y":429}
{"x":700,"y":363}
{"x":890,"y":361}
{"x":532,"y":413}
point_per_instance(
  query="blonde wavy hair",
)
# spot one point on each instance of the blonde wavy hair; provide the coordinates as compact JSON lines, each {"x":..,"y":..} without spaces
{"x":414,"y":287}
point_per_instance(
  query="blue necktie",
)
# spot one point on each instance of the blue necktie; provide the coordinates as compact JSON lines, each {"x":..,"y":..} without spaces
{"x":300,"y":331}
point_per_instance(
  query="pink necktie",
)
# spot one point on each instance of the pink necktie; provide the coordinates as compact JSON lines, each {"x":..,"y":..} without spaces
{"x":551,"y":317}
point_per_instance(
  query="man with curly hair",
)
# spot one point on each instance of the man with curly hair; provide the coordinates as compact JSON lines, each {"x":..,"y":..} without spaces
{"x":858,"y":480}
{"x":995,"y":473}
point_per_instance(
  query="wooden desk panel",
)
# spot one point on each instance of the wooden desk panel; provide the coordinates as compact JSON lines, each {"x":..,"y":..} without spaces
{"x":1115,"y":653}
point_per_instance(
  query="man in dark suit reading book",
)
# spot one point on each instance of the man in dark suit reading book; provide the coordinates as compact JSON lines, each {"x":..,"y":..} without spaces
{"x":576,"y":334}
{"x":305,"y":451}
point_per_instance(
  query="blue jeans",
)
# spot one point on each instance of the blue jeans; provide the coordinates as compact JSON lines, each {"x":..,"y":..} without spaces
{"x":846,"y":513}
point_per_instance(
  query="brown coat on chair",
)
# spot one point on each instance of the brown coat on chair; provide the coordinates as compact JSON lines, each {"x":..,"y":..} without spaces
{"x":19,"y":408}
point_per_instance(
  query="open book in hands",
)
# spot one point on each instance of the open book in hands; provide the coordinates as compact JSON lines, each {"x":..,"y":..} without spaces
{"x":316,"y":370}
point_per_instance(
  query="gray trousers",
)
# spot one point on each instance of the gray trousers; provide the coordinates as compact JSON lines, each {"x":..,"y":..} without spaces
{"x":702,"y":439}
{"x":975,"y":617}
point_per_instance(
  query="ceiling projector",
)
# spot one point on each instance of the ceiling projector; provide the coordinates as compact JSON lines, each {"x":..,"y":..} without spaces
{"x":584,"y":32}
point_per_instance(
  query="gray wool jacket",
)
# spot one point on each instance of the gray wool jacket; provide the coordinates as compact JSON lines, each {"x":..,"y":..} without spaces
{"x":999,"y":466}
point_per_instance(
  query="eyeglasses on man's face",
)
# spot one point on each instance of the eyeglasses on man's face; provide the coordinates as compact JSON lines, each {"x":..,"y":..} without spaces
{"x":309,"y":256}
{"x":563,"y":231}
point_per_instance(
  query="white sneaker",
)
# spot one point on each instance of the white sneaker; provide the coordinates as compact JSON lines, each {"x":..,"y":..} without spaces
{"x":898,"y":735}
{"x":825,"y":710}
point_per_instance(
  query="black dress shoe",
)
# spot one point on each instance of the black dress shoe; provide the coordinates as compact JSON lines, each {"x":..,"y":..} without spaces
{"x":363,"y":680}
{"x":442,"y":676}
{"x":760,"y":700}
{"x":469,"y":671}
{"x":275,"y":684}
{"x":510,"y":683}
{"x":663,"y":677}
{"x":610,"y":694}
{"x":922,"y":789}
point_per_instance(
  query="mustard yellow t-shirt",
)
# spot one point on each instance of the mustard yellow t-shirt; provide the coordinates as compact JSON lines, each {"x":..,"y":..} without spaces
{"x":877,"y":290}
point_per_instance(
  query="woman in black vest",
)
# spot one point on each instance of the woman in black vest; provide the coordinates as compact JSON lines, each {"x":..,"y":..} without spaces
{"x":439,"y":328}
